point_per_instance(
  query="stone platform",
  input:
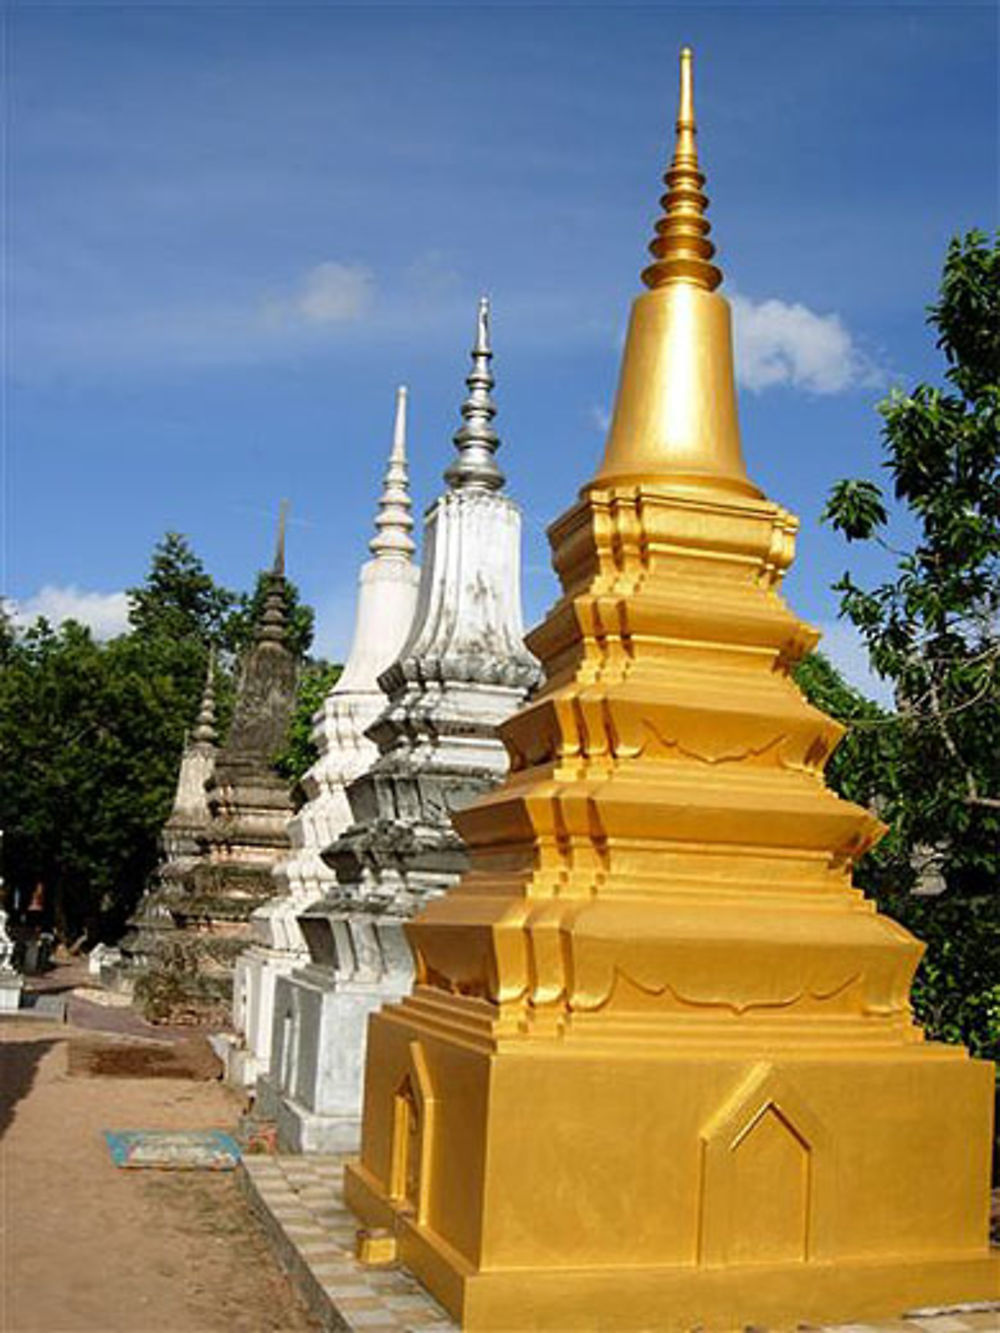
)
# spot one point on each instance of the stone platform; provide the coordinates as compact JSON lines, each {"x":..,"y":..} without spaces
{"x":299,"y":1200}
{"x":300,"y":1204}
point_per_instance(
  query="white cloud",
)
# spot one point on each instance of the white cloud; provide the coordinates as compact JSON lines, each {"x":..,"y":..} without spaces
{"x":600,"y":419}
{"x":105,"y":613}
{"x":845,"y":648}
{"x":330,"y":293}
{"x":777,"y":343}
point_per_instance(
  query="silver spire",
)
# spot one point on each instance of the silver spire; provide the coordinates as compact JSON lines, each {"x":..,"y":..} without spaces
{"x":204,"y":728}
{"x":475,"y":468}
{"x":394,"y":521}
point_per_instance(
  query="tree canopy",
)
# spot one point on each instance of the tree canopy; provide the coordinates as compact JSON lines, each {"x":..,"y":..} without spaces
{"x":92,"y":734}
{"x":932,"y":628}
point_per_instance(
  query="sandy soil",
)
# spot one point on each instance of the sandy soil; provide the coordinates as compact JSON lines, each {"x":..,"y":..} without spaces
{"x":88,"y":1248}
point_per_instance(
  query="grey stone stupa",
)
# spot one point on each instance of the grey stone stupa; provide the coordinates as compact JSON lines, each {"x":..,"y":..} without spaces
{"x":462,"y":670}
{"x":210,"y":898}
{"x":181,"y":847}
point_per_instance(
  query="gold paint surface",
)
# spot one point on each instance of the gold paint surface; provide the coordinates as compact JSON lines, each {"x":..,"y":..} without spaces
{"x":659,"y":1067}
{"x":675,"y":413}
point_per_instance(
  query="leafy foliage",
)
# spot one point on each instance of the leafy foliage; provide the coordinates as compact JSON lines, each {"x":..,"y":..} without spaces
{"x":179,"y":599}
{"x":933,"y":630}
{"x":92,"y":734}
{"x":316,"y":680}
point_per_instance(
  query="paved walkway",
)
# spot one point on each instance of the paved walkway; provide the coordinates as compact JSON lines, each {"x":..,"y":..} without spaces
{"x":300,"y":1202}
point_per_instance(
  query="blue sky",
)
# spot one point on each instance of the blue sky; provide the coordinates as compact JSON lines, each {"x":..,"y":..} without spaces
{"x":233,"y":229}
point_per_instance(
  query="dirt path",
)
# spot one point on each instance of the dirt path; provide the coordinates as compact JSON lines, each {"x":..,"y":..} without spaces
{"x":88,"y":1248}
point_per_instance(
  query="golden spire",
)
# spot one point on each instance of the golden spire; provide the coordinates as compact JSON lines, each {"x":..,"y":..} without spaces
{"x":675,"y":415}
{"x":681,"y":247}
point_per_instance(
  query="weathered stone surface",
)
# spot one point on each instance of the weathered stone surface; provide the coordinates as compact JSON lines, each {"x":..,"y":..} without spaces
{"x":210,"y":894}
{"x":462,"y":670}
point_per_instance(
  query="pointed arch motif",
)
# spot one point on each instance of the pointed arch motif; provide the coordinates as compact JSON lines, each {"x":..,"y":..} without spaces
{"x":767,"y":1176}
{"x":412,"y":1136}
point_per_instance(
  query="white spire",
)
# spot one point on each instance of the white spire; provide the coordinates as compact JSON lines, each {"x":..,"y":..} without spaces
{"x":394,"y":521}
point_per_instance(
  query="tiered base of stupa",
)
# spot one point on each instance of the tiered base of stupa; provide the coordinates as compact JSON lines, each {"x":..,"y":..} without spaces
{"x":612,"y":1176}
{"x":211,"y":903}
{"x":401,"y":852}
{"x":660,"y":1068}
{"x":192,"y":967}
{"x":277,"y":950}
{"x":319,"y":1036}
{"x":248,"y":1052}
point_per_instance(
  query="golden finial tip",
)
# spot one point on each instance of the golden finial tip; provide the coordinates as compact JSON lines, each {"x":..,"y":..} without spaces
{"x":681,"y":248}
{"x":685,"y":107}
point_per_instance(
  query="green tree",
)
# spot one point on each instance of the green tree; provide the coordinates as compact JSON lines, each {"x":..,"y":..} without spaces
{"x":92,"y":735}
{"x":316,"y":679}
{"x":179,"y":597}
{"x":177,"y":613}
{"x":933,"y":630}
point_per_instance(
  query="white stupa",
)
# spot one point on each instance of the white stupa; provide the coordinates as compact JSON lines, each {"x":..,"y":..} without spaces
{"x":462,"y":670}
{"x":387,"y":594}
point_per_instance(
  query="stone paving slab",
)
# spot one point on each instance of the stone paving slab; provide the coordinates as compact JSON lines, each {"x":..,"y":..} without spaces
{"x":299,"y":1199}
{"x":300,"y":1203}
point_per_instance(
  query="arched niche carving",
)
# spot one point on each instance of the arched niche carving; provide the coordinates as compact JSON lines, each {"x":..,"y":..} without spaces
{"x":767,"y":1176}
{"x":412,"y":1136}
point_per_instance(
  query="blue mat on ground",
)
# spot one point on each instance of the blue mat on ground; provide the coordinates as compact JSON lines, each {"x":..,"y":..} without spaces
{"x":173,"y":1149}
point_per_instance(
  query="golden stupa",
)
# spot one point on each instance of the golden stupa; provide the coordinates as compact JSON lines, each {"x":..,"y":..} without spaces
{"x":659,"y":1068}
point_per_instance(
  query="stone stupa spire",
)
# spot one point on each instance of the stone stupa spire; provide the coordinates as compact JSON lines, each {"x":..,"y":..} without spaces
{"x":190,"y":813}
{"x":205,"y":732}
{"x":394,"y":519}
{"x":181,"y":838}
{"x":476,"y":440}
{"x":273,"y":623}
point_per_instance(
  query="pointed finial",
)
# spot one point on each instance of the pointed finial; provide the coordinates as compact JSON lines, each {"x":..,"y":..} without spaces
{"x":273,"y":622}
{"x":681,"y":248}
{"x":394,"y":521}
{"x":204,"y":728}
{"x":475,"y":468}
{"x":279,"y":550}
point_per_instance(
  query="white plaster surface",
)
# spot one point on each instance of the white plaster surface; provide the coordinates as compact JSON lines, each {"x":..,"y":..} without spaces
{"x":319,"y":1041}
{"x":387,"y":594}
{"x":463,"y":669}
{"x":11,"y":985}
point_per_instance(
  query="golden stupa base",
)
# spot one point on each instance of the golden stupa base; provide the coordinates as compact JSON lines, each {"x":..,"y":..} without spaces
{"x":718,"y":1180}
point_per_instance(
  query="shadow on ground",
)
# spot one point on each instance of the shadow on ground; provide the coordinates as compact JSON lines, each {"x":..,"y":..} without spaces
{"x":19,"y":1061}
